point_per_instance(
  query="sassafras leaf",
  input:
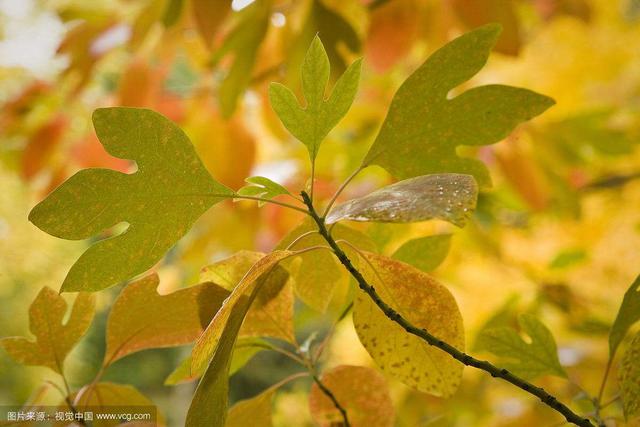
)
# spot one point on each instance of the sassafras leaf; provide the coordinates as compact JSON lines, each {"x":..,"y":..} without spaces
{"x":141,"y":318}
{"x":424,"y":127}
{"x":628,"y":314}
{"x":311,"y":124}
{"x":450,"y":197}
{"x":527,"y":359}
{"x":425,"y":253}
{"x":363,"y":392}
{"x":54,"y":338}
{"x":259,"y":186}
{"x":160,"y":201}
{"x":255,"y":412}
{"x":425,"y":303}
{"x":629,"y":378}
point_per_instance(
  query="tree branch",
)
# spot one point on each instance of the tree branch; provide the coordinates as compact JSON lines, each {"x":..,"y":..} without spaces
{"x":460,"y":356}
{"x":333,"y":399}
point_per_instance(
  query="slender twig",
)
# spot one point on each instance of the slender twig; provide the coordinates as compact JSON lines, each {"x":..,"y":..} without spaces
{"x":460,"y":356}
{"x":260,"y":199}
{"x":340,"y":190}
{"x":333,"y":399}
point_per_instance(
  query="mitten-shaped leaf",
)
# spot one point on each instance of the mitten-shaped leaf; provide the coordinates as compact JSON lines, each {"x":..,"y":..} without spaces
{"x":311,"y":124}
{"x":527,"y":359}
{"x":426,"y":304}
{"x":628,"y":314}
{"x":362,"y":392}
{"x":160,"y":202}
{"x":450,"y":197}
{"x":424,"y":127}
{"x":54,"y":338}
{"x":141,"y":318}
{"x":425,"y":253}
{"x":630,"y":380}
{"x":271,"y":314}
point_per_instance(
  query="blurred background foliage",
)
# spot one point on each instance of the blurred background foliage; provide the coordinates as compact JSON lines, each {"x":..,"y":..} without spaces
{"x":557,"y":236}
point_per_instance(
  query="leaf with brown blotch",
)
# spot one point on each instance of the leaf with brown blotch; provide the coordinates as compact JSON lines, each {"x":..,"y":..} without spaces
{"x":141,"y":318}
{"x":449,"y":197}
{"x":363,"y":392}
{"x":426,"y":304}
{"x":54,"y":338}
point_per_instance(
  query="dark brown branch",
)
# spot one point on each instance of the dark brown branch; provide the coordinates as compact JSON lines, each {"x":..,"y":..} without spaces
{"x":333,"y":399}
{"x":460,"y":356}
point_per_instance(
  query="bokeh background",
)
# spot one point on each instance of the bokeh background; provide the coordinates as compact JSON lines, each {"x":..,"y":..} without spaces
{"x":557,"y":236}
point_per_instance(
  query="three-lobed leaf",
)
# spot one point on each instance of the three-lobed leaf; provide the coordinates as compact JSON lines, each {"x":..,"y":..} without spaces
{"x":628,"y":314}
{"x":450,"y":197}
{"x":55,"y":337}
{"x":311,"y":124}
{"x":363,"y":393}
{"x":160,"y":202}
{"x":424,"y":253}
{"x":141,"y":318}
{"x":527,"y":359}
{"x":423,"y":127}
{"x":629,"y":378}
{"x":426,"y":304}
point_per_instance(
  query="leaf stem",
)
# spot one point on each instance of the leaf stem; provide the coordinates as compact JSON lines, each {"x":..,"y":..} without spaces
{"x":340,"y":190}
{"x":460,"y":356}
{"x":260,"y":199}
{"x":333,"y":399}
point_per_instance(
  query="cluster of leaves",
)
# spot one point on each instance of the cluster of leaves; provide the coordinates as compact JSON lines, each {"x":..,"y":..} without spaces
{"x":248,"y":297}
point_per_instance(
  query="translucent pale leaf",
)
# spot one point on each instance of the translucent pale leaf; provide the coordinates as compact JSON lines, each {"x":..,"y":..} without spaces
{"x":141,"y":318}
{"x":55,"y":338}
{"x":311,"y":124}
{"x":530,"y":359}
{"x":450,"y":197}
{"x":362,"y":392}
{"x":160,"y":202}
{"x":425,"y":253}
{"x":425,"y":303}
{"x":628,"y":314}
{"x":629,"y":378}
{"x":424,"y":127}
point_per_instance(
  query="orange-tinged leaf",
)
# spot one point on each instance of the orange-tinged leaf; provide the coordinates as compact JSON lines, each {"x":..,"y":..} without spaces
{"x":425,"y":303}
{"x":392,"y":31}
{"x":54,"y":338}
{"x":209,"y":15}
{"x":141,"y":318}
{"x":254,"y":412}
{"x":361,"y":391}
{"x":206,"y":344}
{"x":42,"y":144}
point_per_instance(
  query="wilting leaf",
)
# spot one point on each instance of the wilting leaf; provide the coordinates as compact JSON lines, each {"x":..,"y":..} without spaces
{"x":255,"y":412}
{"x":361,"y":391}
{"x":527,"y":359}
{"x":424,"y":253}
{"x":54,"y":338}
{"x":141,"y":318}
{"x":423,"y":127}
{"x":237,"y":304}
{"x":317,"y":275}
{"x":628,"y":314}
{"x":271,"y":314}
{"x":209,"y":15}
{"x":450,"y":197}
{"x":426,"y":304}
{"x":312,"y":123}
{"x":242,"y":43}
{"x":112,"y":398}
{"x":259,"y":186}
{"x":160,"y":202}
{"x":630,"y":380}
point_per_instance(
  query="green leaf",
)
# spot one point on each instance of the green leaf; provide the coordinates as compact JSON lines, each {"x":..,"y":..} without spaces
{"x":271,"y":314}
{"x":423,"y":128}
{"x":141,"y":318}
{"x":310,"y":125}
{"x":628,"y":314}
{"x":318,"y":276}
{"x":527,"y":359}
{"x":160,"y":202}
{"x":172,"y":12}
{"x":424,"y":253}
{"x":450,"y":197}
{"x":242,"y":44}
{"x":254,"y":412}
{"x":363,"y":392}
{"x":425,"y":303}
{"x":54,"y":337}
{"x":629,"y":377}
{"x":259,"y":186}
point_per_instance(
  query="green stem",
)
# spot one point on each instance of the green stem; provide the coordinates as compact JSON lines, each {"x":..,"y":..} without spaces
{"x":340,"y":190}
{"x":260,"y":199}
{"x":423,"y":334}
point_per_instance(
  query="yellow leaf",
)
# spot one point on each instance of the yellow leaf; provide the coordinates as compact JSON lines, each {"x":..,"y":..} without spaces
{"x":141,"y":318}
{"x":254,"y":412}
{"x":54,"y":338}
{"x":361,"y":391}
{"x":425,"y":303}
{"x":630,"y":381}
